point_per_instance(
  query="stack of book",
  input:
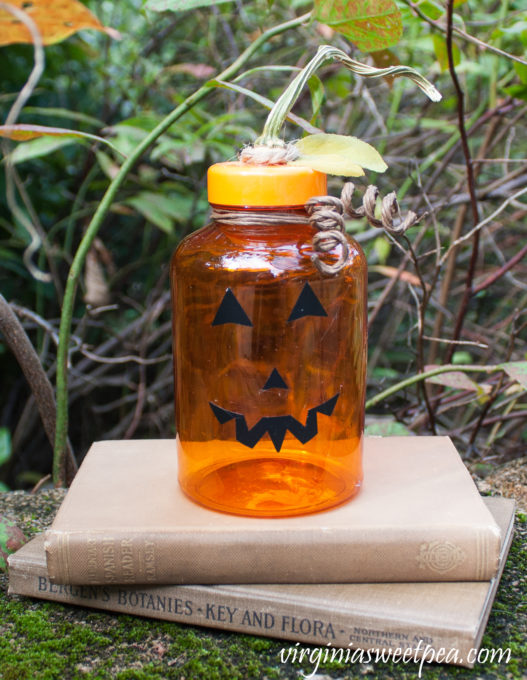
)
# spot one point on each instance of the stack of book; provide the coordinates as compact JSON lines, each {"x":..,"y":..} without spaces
{"x":411,"y":563}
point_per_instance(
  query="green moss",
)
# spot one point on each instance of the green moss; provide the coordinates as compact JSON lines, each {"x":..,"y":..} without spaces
{"x":44,"y":641}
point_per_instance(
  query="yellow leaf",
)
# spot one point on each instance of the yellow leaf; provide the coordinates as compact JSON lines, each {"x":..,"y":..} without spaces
{"x":55,"y":19}
{"x":339,"y":154}
{"x":331,"y":164}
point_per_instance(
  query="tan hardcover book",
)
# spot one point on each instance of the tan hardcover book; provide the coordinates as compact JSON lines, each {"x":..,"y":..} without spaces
{"x":419,"y":517}
{"x":418,"y":619}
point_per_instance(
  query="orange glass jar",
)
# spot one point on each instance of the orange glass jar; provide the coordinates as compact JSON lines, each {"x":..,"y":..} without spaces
{"x":269,"y":354}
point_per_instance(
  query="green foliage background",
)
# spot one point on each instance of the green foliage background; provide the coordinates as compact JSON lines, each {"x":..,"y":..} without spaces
{"x":122,"y":89}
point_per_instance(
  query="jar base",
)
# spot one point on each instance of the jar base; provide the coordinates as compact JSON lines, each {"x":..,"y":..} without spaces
{"x":269,"y":487}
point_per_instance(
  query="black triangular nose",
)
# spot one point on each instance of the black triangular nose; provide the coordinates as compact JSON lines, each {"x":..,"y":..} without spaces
{"x":275,"y":380}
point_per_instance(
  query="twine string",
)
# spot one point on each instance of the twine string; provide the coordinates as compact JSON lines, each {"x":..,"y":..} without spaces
{"x":263,"y":154}
{"x":327,"y":215}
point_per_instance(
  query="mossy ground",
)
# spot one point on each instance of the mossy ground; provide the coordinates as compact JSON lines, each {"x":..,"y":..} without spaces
{"x":49,"y":641}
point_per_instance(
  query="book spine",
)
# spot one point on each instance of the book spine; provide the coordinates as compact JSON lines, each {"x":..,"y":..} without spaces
{"x":106,"y":559}
{"x":257,"y":614}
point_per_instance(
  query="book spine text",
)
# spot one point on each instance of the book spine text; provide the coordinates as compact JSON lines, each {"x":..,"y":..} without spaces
{"x":106,"y":559}
{"x":215,"y":607}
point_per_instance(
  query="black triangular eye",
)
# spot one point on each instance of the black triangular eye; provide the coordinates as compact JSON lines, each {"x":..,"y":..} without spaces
{"x":230,"y":311}
{"x":307,"y":305}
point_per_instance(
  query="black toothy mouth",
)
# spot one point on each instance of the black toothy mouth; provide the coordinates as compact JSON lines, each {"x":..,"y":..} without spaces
{"x":275,"y":426}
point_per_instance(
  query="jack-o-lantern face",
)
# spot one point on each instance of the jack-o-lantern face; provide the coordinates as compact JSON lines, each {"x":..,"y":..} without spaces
{"x":231,"y":311}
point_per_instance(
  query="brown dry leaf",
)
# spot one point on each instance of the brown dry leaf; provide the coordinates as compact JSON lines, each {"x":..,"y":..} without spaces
{"x":24,"y":133}
{"x":458,"y":381}
{"x":196,"y":70}
{"x":517,"y":370}
{"x":55,"y":19}
{"x":97,"y":292}
{"x":120,"y":209}
{"x":392,"y":272}
{"x":159,"y":649}
{"x":325,"y":31}
{"x":105,"y":256}
{"x":385,"y":59}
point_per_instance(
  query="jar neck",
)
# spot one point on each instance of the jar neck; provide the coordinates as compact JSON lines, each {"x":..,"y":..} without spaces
{"x":294,"y":214}
{"x":300,"y":209}
{"x":263,"y":210}
{"x":261,"y":221}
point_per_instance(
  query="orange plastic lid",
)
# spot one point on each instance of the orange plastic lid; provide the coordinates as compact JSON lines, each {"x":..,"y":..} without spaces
{"x":242,"y":184}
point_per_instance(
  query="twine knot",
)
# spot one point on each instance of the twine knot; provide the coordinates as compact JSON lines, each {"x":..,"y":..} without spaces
{"x":261,"y":154}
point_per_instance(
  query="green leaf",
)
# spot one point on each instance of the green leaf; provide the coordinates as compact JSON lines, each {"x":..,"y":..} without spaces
{"x":386,"y":428}
{"x":5,"y":445}
{"x":162,"y":210}
{"x":383,"y":372}
{"x":382,"y":247}
{"x":460,"y":357}
{"x":171,"y":205}
{"x":180,"y":5}
{"x":62,"y":113}
{"x":108,"y":166}
{"x":517,"y":29}
{"x":316,"y":90}
{"x":517,"y":91}
{"x":36,"y":148}
{"x":338,"y":155}
{"x":147,"y":203}
{"x":521,"y":70}
{"x":431,"y":9}
{"x":517,"y":370}
{"x":441,"y":52}
{"x":369,"y":24}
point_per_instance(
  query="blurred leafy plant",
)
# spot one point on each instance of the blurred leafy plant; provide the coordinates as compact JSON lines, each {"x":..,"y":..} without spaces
{"x":5,"y":451}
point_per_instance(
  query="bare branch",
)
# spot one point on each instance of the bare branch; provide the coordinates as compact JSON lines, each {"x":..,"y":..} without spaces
{"x":39,"y":383}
